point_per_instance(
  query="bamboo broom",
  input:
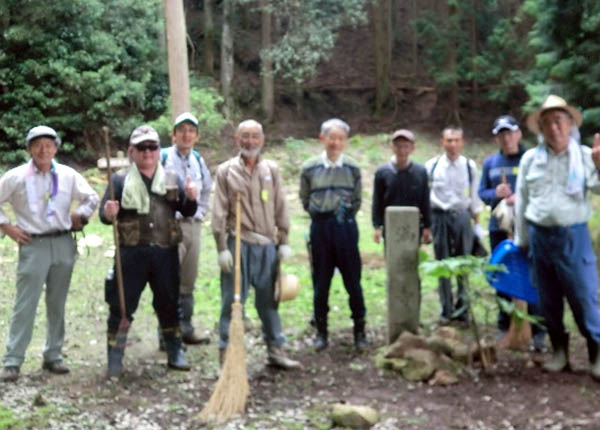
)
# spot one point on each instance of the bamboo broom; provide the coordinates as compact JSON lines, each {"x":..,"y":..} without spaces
{"x":231,"y":390}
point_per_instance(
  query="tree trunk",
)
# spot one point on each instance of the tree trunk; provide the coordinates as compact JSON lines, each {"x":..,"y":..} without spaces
{"x":414,"y":42}
{"x":227,"y":58}
{"x":473,"y":25}
{"x":179,"y":84}
{"x":382,"y":35}
{"x":209,"y":38}
{"x":268,"y":85}
{"x":453,"y":114}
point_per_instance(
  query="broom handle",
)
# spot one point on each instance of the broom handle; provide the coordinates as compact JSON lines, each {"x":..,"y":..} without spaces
{"x":111,"y":192}
{"x":238,"y":259}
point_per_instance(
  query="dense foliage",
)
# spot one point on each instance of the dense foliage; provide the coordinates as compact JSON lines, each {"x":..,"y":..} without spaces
{"x":566,"y":37}
{"x":77,"y":65}
{"x":310,"y":30}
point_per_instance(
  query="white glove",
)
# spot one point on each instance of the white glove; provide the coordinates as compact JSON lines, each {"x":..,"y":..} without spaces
{"x":284,"y":252}
{"x":479,"y":231}
{"x":226,"y":261}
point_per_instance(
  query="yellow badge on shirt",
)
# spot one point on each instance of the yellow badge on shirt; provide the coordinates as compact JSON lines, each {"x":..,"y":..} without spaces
{"x":264,"y":195}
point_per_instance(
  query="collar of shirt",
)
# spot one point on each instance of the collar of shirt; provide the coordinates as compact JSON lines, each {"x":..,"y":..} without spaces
{"x":328,"y":163}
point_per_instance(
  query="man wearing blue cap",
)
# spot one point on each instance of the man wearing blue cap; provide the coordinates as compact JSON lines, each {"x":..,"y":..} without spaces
{"x":41,"y":193}
{"x":182,"y":160}
{"x":498,"y":180}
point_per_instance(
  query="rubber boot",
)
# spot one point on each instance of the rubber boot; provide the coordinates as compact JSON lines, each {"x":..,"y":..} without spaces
{"x":320,"y":343}
{"x":560,"y":355}
{"x":360,"y":338}
{"x":175,"y":356}
{"x":188,"y":335}
{"x":594,"y":356}
{"x":115,"y":356}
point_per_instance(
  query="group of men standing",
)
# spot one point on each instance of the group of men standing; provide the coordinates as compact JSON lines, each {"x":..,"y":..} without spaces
{"x":160,"y":201}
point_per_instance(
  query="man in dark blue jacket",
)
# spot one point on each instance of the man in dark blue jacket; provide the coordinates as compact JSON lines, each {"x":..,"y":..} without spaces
{"x":498,"y":181}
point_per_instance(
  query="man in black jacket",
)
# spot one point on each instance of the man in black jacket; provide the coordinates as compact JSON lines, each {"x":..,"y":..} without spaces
{"x":401,"y":182}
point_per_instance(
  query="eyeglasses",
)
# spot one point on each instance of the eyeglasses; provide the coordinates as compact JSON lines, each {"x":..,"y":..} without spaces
{"x":146,"y":147}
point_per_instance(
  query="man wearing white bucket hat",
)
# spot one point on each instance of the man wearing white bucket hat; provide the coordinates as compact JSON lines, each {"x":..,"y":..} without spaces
{"x":41,"y":193}
{"x":552,"y":210}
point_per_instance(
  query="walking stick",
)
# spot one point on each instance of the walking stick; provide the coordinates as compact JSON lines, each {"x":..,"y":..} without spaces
{"x":121,"y":338}
{"x":231,"y":390}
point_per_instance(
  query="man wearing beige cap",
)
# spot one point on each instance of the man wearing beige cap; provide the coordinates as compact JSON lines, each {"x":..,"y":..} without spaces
{"x":552,"y":210}
{"x":148,"y":237}
{"x":41,"y":193}
{"x":401,"y":182}
{"x":183,"y":161}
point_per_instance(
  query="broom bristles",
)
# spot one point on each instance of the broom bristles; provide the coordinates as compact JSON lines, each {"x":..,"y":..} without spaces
{"x":231,"y":390}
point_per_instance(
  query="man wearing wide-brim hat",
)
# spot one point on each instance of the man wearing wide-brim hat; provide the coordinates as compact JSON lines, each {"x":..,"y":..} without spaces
{"x":552,"y":210}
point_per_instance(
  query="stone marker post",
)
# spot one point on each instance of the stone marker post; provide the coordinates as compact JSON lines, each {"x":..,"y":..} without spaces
{"x":402,"y":259}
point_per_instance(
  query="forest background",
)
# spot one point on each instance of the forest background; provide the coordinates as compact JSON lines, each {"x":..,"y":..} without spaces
{"x":78,"y":65}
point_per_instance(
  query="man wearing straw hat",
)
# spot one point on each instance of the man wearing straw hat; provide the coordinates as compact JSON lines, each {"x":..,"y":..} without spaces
{"x":41,"y":193}
{"x":552,"y":210}
{"x":145,"y":207}
{"x":264,"y":229}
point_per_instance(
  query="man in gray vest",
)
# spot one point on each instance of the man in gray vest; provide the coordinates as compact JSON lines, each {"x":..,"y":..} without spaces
{"x":148,"y":237}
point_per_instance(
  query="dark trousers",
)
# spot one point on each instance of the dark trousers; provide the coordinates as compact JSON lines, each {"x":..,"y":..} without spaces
{"x":565,"y":266}
{"x":335,"y":244}
{"x":496,"y":237}
{"x":146,"y":264}
{"x":452,"y":237}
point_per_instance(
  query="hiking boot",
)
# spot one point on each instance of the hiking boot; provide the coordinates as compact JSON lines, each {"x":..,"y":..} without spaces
{"x":193,"y":339}
{"x":175,"y":357}
{"x":594,"y":356}
{"x":9,"y":374}
{"x":320,"y":343}
{"x":559,"y":361}
{"x":56,"y":367}
{"x":277,"y":358}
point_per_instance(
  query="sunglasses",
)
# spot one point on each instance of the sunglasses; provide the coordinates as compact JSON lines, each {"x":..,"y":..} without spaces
{"x":146,"y":147}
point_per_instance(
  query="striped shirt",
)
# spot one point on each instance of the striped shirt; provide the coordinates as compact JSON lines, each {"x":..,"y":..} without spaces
{"x":326,"y":187}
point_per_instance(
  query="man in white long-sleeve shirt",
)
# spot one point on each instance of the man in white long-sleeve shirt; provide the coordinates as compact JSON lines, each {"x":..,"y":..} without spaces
{"x":41,"y":192}
{"x":454,"y":202}
{"x":552,"y":210}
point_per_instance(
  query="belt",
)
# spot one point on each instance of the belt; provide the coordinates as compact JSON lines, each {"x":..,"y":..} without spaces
{"x":317,"y":216}
{"x":51,"y":233}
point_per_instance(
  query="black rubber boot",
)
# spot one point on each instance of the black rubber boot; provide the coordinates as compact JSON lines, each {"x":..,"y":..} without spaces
{"x":320,"y":343}
{"x":175,"y":356}
{"x":188,"y":333}
{"x":115,"y":356}
{"x":360,"y":337}
{"x":560,"y":355}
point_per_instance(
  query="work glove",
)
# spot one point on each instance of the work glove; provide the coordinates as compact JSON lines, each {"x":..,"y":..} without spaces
{"x":226,"y":261}
{"x":284,"y":252}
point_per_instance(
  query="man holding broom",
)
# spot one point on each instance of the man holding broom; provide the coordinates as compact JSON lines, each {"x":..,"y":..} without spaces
{"x":148,"y":235}
{"x":264,"y":229}
{"x":41,"y":193}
